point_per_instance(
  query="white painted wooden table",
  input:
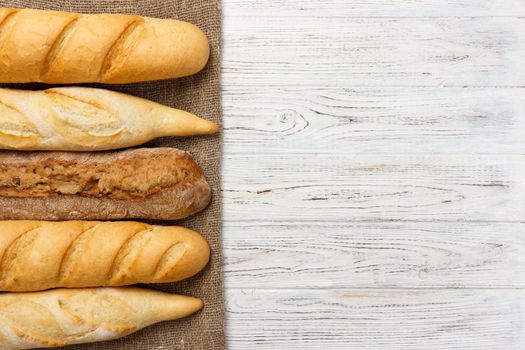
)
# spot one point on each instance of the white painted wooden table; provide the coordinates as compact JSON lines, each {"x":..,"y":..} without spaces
{"x":374,"y":174}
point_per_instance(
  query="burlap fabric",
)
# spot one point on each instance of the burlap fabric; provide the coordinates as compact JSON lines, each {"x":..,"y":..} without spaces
{"x":199,"y":94}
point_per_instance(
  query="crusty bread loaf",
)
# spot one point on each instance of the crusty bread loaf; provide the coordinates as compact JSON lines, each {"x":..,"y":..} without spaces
{"x":38,"y":255}
{"x":87,"y":119}
{"x":64,"y":48}
{"x":72,"y":316}
{"x":148,"y":183}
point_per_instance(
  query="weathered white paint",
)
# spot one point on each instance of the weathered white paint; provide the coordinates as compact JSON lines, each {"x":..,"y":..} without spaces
{"x":373,"y":8}
{"x":319,"y":188}
{"x":375,"y":145}
{"x":365,"y":319}
{"x":279,"y":120}
{"x":321,"y":52}
{"x":385,"y":255}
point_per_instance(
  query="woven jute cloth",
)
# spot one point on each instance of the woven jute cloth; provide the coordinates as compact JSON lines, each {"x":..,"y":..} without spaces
{"x":199,"y":94}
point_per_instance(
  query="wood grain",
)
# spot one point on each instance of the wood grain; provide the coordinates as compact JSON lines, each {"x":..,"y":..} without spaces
{"x":374,"y":174}
{"x":307,"y":188}
{"x":375,"y":8}
{"x":374,"y":120}
{"x":375,"y":319}
{"x":262,"y":51}
{"x":379,"y":255}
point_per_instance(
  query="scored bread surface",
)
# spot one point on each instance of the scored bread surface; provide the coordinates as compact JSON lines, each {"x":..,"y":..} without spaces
{"x":88,"y":119}
{"x":62,"y":317}
{"x":62,"y":47}
{"x":150,"y":183}
{"x":38,"y":255}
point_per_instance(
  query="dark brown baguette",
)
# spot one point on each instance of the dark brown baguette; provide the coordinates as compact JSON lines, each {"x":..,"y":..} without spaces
{"x":148,"y":183}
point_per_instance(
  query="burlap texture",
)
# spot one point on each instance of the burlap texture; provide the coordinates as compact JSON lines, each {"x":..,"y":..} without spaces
{"x":199,"y":94}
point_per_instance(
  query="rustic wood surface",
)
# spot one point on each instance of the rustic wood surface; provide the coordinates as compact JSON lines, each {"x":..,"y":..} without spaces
{"x":374,"y":174}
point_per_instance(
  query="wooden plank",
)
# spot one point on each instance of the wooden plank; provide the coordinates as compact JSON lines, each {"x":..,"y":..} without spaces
{"x":376,"y":8}
{"x":373,"y":120}
{"x":303,"y":188}
{"x":384,"y":255}
{"x":307,"y":187}
{"x":262,"y":51}
{"x":375,"y":319}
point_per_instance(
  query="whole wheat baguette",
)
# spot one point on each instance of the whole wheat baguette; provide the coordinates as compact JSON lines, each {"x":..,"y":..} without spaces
{"x":147,"y":183}
{"x":63,"y":48}
{"x":87,"y":119}
{"x":38,"y":255}
{"x":72,"y":316}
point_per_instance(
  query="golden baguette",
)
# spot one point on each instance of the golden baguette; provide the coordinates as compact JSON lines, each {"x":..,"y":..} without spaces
{"x":38,"y":255}
{"x":88,"y":119}
{"x":62,"y":317}
{"x":64,"y":48}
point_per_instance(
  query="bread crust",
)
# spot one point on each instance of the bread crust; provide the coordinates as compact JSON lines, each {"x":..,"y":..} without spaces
{"x":64,"y":48}
{"x":77,"y":254}
{"x":62,"y":317}
{"x":88,"y":119}
{"x":189,"y":195}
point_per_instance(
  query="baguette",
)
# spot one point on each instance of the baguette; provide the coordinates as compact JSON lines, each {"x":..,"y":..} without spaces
{"x":62,"y":317}
{"x":65,"y":48}
{"x":88,"y":119}
{"x":148,"y":183}
{"x":38,"y":255}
